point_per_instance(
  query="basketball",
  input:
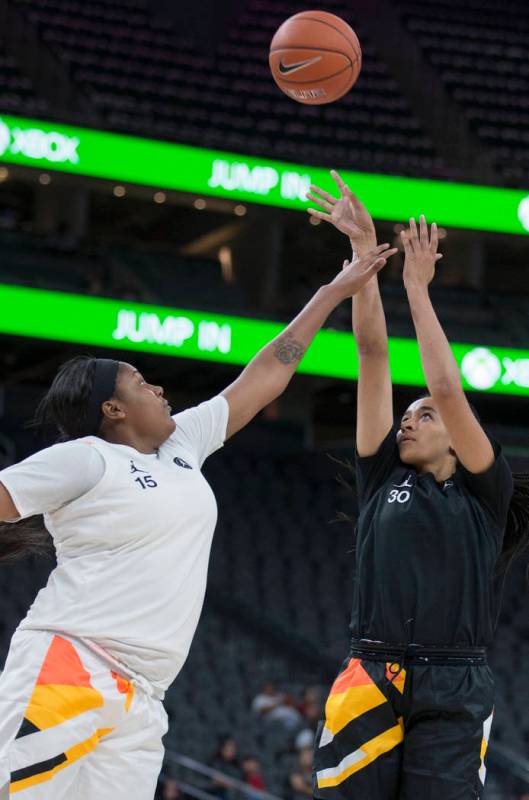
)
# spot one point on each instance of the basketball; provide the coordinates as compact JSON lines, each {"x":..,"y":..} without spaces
{"x":315,"y":57}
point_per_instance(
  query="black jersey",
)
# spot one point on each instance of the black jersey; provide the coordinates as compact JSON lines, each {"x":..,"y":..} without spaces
{"x":426,"y":551}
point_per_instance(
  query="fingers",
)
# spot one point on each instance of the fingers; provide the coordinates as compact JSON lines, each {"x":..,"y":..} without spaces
{"x":322,"y":203}
{"x":405,"y":238}
{"x":322,"y":194}
{"x":318,"y":214}
{"x":365,"y":276}
{"x":342,"y":187}
{"x":380,"y":248}
{"x":434,"y":238}
{"x":413,"y":235}
{"x":382,"y":252}
{"x":377,"y":264}
{"x":416,"y":239}
{"x":424,"y":231}
{"x":358,"y":206}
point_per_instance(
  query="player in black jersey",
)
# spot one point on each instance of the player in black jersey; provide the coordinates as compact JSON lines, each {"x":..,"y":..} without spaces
{"x":409,"y":715}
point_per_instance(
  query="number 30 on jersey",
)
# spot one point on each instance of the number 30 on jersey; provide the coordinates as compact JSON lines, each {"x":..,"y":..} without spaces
{"x":399,"y":496}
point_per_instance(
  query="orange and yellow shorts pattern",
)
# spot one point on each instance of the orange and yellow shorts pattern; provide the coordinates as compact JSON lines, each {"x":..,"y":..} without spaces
{"x":70,"y":726}
{"x":395,"y":733}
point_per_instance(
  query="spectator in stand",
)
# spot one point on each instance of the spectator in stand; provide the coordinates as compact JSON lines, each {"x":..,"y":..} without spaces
{"x":252,"y":775}
{"x":170,"y":790}
{"x":300,"y":779}
{"x":225,"y":760}
{"x":312,"y":710}
{"x":277,"y":707}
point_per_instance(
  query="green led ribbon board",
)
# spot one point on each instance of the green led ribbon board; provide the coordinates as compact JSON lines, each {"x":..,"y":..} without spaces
{"x":166,"y":165}
{"x":138,"y":327}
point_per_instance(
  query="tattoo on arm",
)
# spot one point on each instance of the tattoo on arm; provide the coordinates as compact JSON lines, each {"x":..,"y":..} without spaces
{"x":288,"y":350}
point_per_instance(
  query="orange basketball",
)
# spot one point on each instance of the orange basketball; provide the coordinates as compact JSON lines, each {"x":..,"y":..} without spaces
{"x":315,"y":57}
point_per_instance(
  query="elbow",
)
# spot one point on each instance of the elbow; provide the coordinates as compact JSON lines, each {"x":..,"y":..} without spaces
{"x":371,"y":349}
{"x":444,"y":389}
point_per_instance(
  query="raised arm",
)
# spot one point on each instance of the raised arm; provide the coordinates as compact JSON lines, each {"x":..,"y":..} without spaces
{"x":375,"y":397}
{"x":270,"y":371}
{"x":469,"y":440}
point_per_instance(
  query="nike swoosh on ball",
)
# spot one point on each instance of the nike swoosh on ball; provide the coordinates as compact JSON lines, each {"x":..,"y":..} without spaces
{"x":286,"y":69}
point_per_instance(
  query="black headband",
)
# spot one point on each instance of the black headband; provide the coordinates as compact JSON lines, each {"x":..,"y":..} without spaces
{"x":102,"y":389}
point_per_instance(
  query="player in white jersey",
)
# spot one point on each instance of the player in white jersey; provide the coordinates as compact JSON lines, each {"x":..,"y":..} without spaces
{"x":132,"y":519}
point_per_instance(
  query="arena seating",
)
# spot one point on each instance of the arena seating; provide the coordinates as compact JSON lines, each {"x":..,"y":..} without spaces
{"x":17,"y":94}
{"x":480,"y":51}
{"x":147,"y":80}
{"x":118,"y":271}
{"x":46,"y":262}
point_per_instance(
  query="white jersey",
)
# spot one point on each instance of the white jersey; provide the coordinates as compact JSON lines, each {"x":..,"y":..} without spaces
{"x":133,"y":550}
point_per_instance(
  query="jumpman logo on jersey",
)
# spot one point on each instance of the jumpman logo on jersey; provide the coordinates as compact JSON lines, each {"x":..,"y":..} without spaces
{"x":406,"y":484}
{"x":134,"y":468}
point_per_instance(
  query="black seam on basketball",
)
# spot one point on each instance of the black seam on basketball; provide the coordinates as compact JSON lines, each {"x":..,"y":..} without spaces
{"x":330,"y":25}
{"x":318,"y":80}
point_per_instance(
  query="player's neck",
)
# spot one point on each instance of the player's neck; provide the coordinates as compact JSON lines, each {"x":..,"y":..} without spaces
{"x":130,"y":439}
{"x":441,"y":470}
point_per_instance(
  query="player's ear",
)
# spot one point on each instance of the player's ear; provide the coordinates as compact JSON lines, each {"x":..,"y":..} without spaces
{"x":113,"y":410}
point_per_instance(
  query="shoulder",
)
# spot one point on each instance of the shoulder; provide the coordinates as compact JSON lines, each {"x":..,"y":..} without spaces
{"x":492,"y":488}
{"x":76,"y":452}
{"x":202,"y":428}
{"x":375,"y":470}
{"x":208,"y":410}
{"x":89,"y":449}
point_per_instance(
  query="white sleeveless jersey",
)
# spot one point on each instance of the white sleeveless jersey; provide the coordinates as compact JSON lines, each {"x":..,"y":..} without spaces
{"x":133,"y":552}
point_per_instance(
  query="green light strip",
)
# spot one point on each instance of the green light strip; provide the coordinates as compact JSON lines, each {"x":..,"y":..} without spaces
{"x":166,"y":165}
{"x":121,"y":325}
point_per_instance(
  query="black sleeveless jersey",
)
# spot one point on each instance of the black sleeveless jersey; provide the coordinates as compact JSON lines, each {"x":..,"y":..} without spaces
{"x":426,"y":552}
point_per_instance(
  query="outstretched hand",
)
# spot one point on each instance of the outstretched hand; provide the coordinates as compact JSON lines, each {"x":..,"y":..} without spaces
{"x":347,"y":213}
{"x":420,"y":253}
{"x":356,"y":274}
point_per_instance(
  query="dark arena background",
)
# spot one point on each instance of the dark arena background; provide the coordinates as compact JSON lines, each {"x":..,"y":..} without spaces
{"x":152,"y":196}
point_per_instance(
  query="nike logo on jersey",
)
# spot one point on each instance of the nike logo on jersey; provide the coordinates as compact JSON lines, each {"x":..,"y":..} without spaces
{"x":288,"y":69}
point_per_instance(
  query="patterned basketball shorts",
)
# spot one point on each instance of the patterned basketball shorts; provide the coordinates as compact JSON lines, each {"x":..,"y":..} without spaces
{"x":404,"y":734}
{"x":71,"y":727}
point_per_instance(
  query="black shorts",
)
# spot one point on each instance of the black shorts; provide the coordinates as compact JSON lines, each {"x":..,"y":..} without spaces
{"x":416,"y":729}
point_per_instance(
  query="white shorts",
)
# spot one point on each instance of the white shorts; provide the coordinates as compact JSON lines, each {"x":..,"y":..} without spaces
{"x":71,"y":727}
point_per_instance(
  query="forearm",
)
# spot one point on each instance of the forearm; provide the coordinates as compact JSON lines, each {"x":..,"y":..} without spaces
{"x":438,"y":362}
{"x":276,"y":363}
{"x":369,"y":320}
